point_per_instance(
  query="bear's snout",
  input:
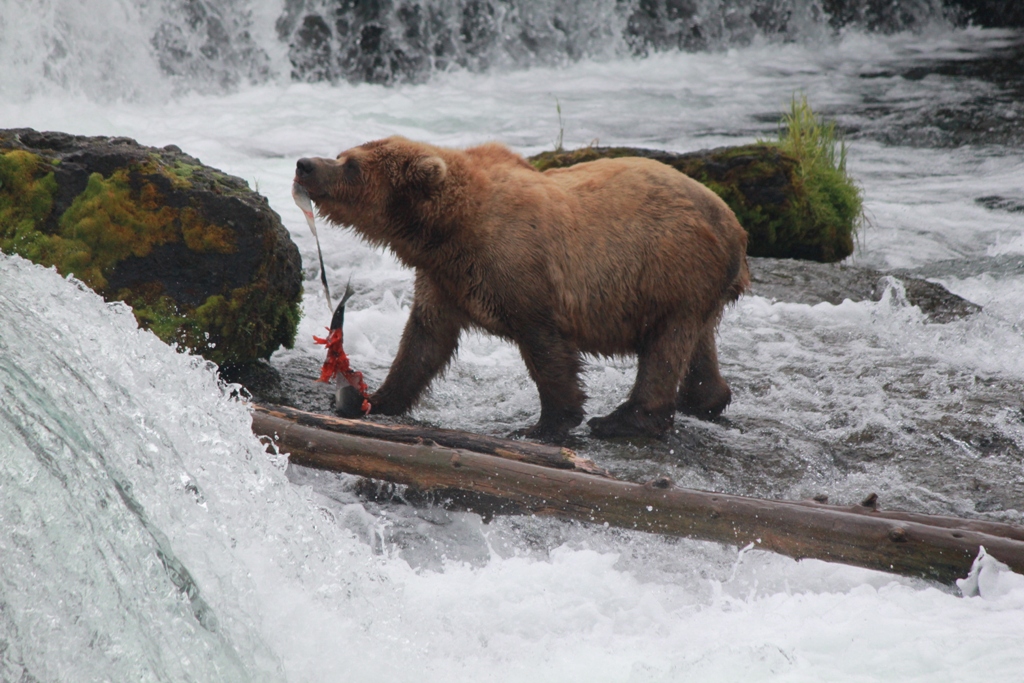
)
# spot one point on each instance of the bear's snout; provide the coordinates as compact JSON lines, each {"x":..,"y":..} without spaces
{"x":304,"y":168}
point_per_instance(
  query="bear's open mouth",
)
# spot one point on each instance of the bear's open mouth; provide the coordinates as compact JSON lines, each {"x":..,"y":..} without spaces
{"x":309,"y":189}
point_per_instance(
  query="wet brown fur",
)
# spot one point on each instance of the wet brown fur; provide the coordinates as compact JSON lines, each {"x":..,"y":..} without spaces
{"x":617,"y":256}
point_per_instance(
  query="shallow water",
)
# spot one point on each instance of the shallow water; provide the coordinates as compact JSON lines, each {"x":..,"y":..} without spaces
{"x":146,"y":535}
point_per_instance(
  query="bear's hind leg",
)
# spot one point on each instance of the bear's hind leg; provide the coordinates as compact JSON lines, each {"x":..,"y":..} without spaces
{"x":703,"y":393}
{"x":650,"y":408}
{"x":554,"y":365}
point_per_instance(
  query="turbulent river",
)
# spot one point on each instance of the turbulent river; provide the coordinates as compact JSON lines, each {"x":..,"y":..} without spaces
{"x":146,"y":535}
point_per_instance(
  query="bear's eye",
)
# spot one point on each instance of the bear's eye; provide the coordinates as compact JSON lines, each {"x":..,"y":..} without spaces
{"x":351,"y":171}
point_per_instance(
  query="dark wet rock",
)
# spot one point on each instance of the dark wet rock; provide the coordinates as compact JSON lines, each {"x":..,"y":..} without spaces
{"x":203,"y":261}
{"x":977,"y":116}
{"x":998,"y":203}
{"x":291,"y":382}
{"x":941,"y":305}
{"x":988,"y":13}
{"x":812,"y":283}
{"x":876,"y":17}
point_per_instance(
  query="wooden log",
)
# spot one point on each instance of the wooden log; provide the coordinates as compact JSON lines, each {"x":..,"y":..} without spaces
{"x":1011,"y":531}
{"x":796,"y":530}
{"x":526,"y":451}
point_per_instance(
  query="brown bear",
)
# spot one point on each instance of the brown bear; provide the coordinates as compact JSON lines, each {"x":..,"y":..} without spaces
{"x":611,"y":257}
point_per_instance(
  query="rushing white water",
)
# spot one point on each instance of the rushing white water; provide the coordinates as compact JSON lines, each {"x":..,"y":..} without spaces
{"x":146,"y":535}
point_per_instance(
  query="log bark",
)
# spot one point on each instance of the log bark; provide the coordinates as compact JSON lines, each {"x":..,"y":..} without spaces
{"x":525,"y":451}
{"x":1010,"y":531}
{"x":796,"y":529}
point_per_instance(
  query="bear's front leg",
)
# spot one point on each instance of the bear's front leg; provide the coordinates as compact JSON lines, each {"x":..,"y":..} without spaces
{"x":554,"y":365}
{"x":429,"y":341}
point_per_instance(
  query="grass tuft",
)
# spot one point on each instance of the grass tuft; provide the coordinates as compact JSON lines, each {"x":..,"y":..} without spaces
{"x":561,"y":127}
{"x":831,"y":198}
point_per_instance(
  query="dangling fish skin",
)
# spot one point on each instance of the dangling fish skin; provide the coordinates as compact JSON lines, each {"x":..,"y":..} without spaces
{"x":304,"y":203}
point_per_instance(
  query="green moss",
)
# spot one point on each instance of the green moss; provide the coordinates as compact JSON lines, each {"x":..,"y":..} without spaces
{"x":114,"y":218}
{"x":760,"y":183}
{"x":184,"y":175}
{"x":159,"y":314}
{"x":255,"y":323}
{"x":203,"y":237}
{"x":564,"y":158}
{"x":246,"y":324}
{"x":105,"y":224}
{"x":27,"y":187}
{"x":109,"y":222}
{"x":179,"y":173}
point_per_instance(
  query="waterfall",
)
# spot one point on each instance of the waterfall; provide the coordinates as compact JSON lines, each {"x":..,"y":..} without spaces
{"x":130,"y":49}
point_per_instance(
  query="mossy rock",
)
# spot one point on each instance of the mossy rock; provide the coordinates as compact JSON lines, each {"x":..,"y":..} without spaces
{"x":785,"y":215}
{"x":203,"y":261}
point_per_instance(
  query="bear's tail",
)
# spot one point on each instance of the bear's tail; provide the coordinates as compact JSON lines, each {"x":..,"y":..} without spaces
{"x":738,"y":278}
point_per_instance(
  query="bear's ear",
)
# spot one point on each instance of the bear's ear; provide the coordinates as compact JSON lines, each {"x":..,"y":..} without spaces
{"x":429,"y":171}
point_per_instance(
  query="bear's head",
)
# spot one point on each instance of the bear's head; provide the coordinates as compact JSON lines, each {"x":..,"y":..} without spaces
{"x":388,"y":190}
